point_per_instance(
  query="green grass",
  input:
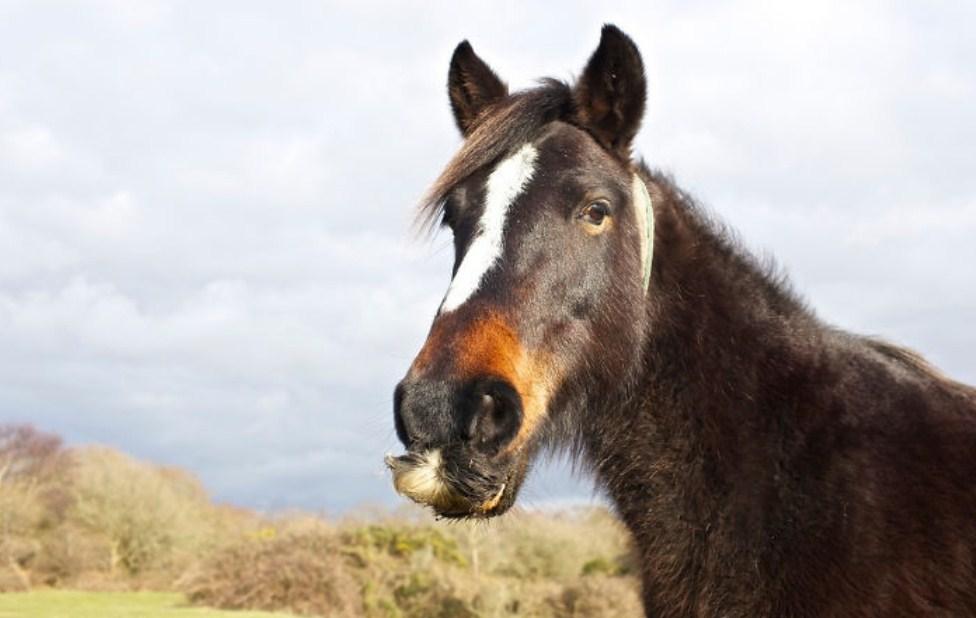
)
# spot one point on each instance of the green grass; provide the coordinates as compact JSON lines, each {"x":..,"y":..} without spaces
{"x":77,"y":604}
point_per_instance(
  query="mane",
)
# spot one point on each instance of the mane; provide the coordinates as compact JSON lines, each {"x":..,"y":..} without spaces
{"x":502,"y":128}
{"x":916,"y":362}
{"x":715,"y":236}
{"x":769,"y":279}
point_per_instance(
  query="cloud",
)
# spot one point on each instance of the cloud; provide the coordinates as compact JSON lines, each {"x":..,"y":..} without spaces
{"x":205,"y":255}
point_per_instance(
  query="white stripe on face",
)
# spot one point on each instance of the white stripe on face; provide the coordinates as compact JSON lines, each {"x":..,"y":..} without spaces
{"x":509,"y":179}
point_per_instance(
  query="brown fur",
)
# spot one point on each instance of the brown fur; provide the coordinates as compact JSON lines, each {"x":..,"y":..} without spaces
{"x":778,"y":467}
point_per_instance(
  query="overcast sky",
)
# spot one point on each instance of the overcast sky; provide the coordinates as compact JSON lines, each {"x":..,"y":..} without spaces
{"x":204,"y":207}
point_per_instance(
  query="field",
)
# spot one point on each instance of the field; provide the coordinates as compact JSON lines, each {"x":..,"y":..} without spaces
{"x":78,"y":604}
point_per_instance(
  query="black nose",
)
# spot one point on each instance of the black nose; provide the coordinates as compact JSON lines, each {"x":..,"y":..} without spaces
{"x":485,"y":412}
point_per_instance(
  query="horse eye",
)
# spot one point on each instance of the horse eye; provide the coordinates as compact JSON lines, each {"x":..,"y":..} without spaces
{"x":595,"y":212}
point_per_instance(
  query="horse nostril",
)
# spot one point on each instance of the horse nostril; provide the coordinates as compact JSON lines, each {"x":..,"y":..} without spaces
{"x":495,"y":414}
{"x":488,"y":404}
{"x":483,"y":405}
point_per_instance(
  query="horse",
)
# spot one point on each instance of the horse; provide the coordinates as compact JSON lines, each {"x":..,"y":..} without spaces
{"x":764,"y":462}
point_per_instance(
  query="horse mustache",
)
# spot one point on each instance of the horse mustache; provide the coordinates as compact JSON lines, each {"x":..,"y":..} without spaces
{"x":452,"y":491}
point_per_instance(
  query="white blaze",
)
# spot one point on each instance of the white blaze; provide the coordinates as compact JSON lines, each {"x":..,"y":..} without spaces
{"x":504,"y":185}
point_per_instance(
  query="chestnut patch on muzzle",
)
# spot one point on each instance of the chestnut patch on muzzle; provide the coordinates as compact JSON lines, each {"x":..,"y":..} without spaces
{"x":455,"y":480}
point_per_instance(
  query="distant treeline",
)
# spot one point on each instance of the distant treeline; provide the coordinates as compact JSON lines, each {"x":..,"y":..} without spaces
{"x":94,"y":518}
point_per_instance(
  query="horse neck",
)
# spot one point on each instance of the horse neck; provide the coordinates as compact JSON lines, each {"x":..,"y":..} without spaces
{"x":714,"y":309}
{"x":725,"y":341}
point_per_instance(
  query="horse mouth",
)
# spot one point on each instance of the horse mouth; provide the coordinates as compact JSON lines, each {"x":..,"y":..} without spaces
{"x":432,"y":479}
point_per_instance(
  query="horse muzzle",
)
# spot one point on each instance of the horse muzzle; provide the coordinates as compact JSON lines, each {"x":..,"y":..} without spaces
{"x":452,"y":484}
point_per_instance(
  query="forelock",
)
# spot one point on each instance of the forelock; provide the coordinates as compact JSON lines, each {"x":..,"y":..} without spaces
{"x":503,"y":128}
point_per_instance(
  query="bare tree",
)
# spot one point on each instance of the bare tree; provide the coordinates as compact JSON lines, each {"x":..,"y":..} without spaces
{"x":27,"y":453}
{"x":29,"y":460}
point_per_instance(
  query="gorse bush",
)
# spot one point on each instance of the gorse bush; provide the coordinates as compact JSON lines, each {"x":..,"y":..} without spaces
{"x":404,"y":542}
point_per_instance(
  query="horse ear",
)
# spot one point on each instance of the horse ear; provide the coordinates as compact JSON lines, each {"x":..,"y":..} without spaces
{"x":609,"y":97}
{"x":472,"y":86}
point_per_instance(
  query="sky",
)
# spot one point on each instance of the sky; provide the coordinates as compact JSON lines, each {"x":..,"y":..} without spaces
{"x":205,"y":248}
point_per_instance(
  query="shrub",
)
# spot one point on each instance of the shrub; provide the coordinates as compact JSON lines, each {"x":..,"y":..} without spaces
{"x":146,"y":516}
{"x":28,"y":454}
{"x":425,"y":594}
{"x":553,"y":545}
{"x":622,"y":565}
{"x":405,"y":541}
{"x":597,"y":597}
{"x":31,"y":463}
{"x":93,"y":515}
{"x":305,"y":573}
{"x":67,"y":553}
{"x":21,"y":511}
{"x":96,"y":519}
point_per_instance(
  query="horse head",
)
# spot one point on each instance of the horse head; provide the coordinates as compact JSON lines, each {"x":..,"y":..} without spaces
{"x":546,"y":309}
